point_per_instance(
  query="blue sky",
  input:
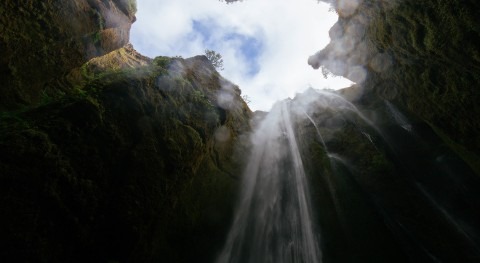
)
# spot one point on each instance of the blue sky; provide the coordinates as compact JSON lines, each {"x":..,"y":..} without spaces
{"x":265,"y":44}
{"x":249,"y":47}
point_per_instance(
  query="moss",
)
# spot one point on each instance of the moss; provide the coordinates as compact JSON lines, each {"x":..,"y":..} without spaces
{"x":41,"y":42}
{"x":128,"y":6}
{"x":469,"y":157}
{"x":132,"y":6}
{"x":97,"y":37}
{"x":342,"y":182}
{"x":122,"y":166}
{"x":435,"y":52}
{"x":125,"y":160}
{"x":161,"y":61}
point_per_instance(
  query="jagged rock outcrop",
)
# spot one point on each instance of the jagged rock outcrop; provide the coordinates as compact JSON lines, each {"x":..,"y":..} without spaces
{"x":107,"y":155}
{"x":135,"y":166}
{"x":400,"y":183}
{"x":42,"y":41}
{"x":421,"y":56}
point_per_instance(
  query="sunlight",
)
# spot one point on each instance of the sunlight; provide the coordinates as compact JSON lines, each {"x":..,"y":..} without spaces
{"x":265,"y":44}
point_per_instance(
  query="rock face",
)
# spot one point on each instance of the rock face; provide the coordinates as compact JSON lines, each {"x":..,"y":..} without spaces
{"x":386,"y":188}
{"x":112,"y":156}
{"x":421,"y":56}
{"x":135,"y":166}
{"x":396,"y":174}
{"x":40,"y":42}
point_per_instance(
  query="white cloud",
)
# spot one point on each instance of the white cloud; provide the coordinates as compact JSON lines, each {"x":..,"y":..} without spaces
{"x":287,"y":31}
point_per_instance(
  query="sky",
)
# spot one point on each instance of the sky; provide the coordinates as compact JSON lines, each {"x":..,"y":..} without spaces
{"x":265,"y":44}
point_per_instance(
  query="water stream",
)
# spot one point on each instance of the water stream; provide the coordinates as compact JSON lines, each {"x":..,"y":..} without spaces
{"x":372,"y":204}
{"x":398,"y":116}
{"x":273,"y":220}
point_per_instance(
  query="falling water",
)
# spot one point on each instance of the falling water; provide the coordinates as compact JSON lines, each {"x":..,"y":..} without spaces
{"x":399,"y":117}
{"x":273,"y":220}
{"x":338,"y":102}
{"x":329,"y":100}
{"x":318,"y":131}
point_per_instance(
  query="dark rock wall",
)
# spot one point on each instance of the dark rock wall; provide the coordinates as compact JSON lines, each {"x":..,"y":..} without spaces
{"x":421,"y":55}
{"x":136,"y":166}
{"x":406,"y":195}
{"x":41,"y":41}
{"x":107,"y":155}
{"x":385,"y":190}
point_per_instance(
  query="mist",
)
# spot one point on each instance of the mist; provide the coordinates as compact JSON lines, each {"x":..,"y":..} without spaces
{"x":264,"y":44}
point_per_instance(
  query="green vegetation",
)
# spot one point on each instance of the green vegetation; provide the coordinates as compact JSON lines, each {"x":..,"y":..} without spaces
{"x":42,"y":42}
{"x":131,"y":146}
{"x":434,"y":46}
{"x":215,"y":58}
{"x":112,"y":156}
{"x":246,"y":98}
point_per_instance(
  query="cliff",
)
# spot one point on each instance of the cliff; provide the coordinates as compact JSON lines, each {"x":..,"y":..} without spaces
{"x":107,"y":155}
{"x":421,"y":56}
{"x":385,"y":186}
{"x":40,"y":42}
{"x":397,"y":168}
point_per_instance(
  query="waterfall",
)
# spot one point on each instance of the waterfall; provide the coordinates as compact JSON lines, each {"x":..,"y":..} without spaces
{"x":317,"y":130}
{"x":376,"y":191}
{"x":273,"y":220}
{"x":398,"y":117}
